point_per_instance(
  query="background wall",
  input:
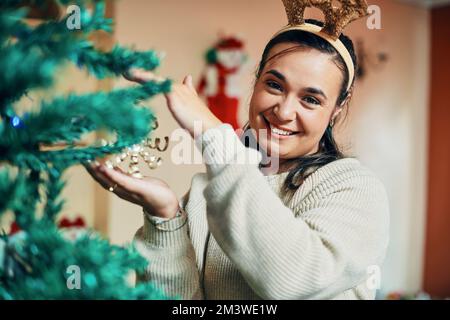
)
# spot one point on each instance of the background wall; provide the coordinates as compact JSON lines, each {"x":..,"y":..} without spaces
{"x":387,"y":130}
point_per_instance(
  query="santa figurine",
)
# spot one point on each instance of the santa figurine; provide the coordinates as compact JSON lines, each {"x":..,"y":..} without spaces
{"x":219,"y":83}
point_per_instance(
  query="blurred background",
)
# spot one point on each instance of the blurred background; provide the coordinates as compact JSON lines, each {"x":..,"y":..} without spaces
{"x":397,"y":123}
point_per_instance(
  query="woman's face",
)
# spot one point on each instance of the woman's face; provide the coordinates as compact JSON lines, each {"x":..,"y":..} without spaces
{"x":294,"y":100}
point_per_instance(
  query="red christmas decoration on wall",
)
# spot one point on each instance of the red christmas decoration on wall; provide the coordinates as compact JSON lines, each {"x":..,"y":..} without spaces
{"x":219,"y":83}
{"x":71,"y":228}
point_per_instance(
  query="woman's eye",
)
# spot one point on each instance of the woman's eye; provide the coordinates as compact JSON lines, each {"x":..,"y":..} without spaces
{"x":274,"y":85}
{"x":311,"y":100}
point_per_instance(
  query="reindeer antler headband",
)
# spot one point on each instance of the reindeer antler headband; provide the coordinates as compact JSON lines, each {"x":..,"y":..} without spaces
{"x":336,"y":19}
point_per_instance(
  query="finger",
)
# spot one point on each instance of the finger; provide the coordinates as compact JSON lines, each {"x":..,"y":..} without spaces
{"x":189,"y":83}
{"x":124,"y":194}
{"x":98,"y":176}
{"x":123,"y":180}
{"x":142,"y":76}
{"x":186,"y":80}
{"x":109,"y":184}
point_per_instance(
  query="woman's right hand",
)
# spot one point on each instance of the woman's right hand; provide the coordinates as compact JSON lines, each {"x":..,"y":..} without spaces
{"x":152,"y":194}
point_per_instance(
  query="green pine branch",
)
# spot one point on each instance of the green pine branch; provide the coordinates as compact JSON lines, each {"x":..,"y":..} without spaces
{"x":66,"y":119}
{"x":35,"y":260}
{"x":42,"y":257}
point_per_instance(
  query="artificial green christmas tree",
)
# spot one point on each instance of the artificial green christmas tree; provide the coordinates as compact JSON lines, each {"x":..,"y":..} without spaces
{"x":34,"y":263}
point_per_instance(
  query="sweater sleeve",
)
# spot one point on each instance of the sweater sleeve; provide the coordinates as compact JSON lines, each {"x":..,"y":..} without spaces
{"x":172,"y":264}
{"x":340,"y":231}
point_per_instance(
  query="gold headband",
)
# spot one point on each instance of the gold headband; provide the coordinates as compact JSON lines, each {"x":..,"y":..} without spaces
{"x":336,"y":20}
{"x":337,"y":44}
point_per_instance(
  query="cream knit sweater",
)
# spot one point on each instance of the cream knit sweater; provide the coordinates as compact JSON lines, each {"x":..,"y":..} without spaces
{"x":240,"y":241}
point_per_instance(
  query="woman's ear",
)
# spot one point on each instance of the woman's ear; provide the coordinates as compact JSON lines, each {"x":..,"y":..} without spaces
{"x":347,"y":99}
{"x":339,"y":108}
{"x":336,"y":112}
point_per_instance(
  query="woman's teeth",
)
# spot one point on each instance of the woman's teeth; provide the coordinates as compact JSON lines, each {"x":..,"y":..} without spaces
{"x":280,"y":132}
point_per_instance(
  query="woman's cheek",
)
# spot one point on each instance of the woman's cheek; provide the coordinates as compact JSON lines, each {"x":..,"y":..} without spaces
{"x":257,"y":107}
{"x":314,"y":128}
{"x":312,"y":121}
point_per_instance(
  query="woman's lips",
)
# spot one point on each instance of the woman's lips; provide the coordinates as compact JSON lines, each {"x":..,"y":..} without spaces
{"x":277,"y":132}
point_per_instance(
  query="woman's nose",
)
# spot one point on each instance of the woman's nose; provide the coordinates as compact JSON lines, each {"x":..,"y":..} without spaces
{"x":286,"y":109}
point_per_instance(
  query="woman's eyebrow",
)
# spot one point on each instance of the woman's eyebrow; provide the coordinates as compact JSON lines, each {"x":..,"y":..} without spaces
{"x":277,"y":74}
{"x":312,"y":90}
{"x":315,"y":91}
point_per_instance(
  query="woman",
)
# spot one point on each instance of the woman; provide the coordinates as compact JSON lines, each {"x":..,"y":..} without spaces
{"x":309,"y":228}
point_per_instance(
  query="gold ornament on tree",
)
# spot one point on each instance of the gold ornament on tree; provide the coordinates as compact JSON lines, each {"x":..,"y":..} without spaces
{"x":139,"y":152}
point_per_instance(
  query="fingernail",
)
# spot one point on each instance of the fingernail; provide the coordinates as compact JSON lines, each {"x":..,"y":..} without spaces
{"x":132,"y":73}
{"x":109,"y":164}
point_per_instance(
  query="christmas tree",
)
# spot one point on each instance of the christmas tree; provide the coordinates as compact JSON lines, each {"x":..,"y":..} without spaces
{"x":36,"y":147}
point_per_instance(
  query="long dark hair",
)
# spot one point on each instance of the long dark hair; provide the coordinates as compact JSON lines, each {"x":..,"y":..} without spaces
{"x":328,"y":151}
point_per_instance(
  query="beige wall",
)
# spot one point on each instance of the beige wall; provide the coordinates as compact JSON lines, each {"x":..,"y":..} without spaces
{"x":386,"y":127}
{"x":387,"y":130}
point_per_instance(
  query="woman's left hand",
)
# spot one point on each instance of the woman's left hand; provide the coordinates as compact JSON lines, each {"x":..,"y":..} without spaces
{"x":183,"y":102}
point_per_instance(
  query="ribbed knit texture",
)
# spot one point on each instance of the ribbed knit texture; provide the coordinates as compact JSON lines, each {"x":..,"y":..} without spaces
{"x":319,"y":245}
